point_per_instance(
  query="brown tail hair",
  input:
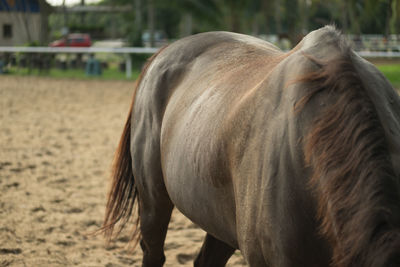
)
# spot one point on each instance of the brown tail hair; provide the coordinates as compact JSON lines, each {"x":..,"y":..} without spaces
{"x":352,"y":173}
{"x":123,"y":192}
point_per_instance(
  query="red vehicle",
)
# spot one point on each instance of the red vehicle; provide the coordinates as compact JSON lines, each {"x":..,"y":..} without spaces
{"x":73,"y":40}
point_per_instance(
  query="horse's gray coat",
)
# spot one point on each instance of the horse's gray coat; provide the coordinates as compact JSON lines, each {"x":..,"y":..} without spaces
{"x":215,"y":133}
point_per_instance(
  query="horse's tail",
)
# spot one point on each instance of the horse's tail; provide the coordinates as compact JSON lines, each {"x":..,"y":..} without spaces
{"x":122,"y":195}
{"x":352,"y":173}
{"x":123,"y":192}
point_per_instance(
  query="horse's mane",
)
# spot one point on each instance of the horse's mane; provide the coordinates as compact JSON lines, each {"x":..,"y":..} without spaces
{"x":352,"y":174}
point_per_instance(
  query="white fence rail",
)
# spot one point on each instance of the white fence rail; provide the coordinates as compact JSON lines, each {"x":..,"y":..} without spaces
{"x":82,"y":50}
{"x":85,"y":50}
{"x":138,"y":50}
{"x":379,"y":54}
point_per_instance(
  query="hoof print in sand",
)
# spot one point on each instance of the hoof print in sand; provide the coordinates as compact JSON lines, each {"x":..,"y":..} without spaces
{"x":75,"y":210}
{"x":37,"y":209}
{"x":15,"y":251}
{"x":66,"y":243}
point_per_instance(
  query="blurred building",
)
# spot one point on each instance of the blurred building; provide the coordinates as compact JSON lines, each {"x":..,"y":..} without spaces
{"x":23,"y":22}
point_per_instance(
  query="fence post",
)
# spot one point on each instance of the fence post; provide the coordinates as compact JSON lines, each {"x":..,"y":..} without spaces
{"x":128,"y":66}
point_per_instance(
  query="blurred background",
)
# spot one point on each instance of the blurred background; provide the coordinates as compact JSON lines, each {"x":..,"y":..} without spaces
{"x":371,"y":25}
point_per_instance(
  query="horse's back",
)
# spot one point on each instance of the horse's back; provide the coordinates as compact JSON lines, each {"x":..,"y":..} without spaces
{"x":198,"y":59}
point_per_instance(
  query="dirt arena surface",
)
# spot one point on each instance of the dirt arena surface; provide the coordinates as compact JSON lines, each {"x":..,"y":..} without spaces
{"x":57,"y":141}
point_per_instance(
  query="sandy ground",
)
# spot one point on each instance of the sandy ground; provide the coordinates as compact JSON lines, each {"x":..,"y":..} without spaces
{"x":57,"y":140}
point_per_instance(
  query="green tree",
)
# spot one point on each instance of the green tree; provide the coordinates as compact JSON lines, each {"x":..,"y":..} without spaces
{"x":294,"y":18}
{"x":395,"y":19}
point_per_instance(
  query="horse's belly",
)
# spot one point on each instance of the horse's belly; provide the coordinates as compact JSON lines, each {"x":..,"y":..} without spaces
{"x":209,"y":206}
{"x":194,"y":159}
{"x":197,"y":180}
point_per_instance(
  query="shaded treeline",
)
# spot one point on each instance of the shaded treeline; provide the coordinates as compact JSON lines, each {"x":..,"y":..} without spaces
{"x":290,"y":18}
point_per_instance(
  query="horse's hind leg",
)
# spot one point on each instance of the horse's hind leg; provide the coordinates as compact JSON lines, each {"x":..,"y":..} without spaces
{"x":213,"y":253}
{"x":155,"y":215}
{"x":155,"y":206}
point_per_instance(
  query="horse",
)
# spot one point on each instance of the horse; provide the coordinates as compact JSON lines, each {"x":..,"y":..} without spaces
{"x":290,"y":157}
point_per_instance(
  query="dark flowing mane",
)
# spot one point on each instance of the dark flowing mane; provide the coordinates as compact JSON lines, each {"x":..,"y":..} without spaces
{"x":352,"y":173}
